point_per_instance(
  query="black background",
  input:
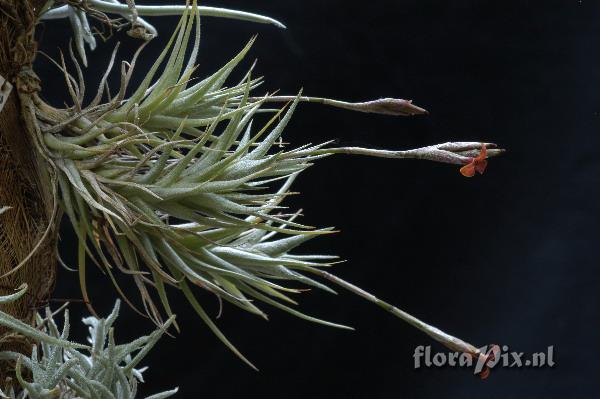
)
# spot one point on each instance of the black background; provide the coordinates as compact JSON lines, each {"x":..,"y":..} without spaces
{"x":507,"y":258}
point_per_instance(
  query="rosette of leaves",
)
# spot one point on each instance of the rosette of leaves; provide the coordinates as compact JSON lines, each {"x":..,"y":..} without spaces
{"x":173,"y":185}
{"x":58,"y":367}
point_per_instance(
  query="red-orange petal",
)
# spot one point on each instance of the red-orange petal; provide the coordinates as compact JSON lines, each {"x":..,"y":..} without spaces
{"x":468,"y":170}
{"x":480,"y":166}
{"x":483,"y":154}
{"x":485,"y":373}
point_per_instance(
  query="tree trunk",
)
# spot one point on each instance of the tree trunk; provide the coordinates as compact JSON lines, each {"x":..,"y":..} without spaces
{"x":24,"y":184}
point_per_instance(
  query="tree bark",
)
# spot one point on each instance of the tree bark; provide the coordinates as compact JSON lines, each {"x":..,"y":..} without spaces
{"x":24,"y":184}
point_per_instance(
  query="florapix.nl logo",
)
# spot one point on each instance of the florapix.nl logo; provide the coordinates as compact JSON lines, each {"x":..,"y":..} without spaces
{"x":488,"y":357}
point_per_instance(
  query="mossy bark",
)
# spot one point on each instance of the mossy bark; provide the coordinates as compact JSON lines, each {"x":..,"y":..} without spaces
{"x":24,"y":185}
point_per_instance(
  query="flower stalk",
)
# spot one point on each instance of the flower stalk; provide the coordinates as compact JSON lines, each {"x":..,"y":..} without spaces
{"x":445,"y":339}
{"x":458,"y":153}
{"x":383,"y":106}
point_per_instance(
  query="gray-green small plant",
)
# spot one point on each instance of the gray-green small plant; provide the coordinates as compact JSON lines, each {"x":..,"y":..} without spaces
{"x":60,"y":368}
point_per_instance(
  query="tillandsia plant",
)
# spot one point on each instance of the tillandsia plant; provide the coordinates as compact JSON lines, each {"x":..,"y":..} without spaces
{"x":61,"y":368}
{"x":178,"y":183}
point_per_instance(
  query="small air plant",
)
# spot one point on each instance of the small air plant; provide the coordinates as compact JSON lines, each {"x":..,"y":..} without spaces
{"x":77,"y":12}
{"x":61,"y":368}
{"x":173,"y":185}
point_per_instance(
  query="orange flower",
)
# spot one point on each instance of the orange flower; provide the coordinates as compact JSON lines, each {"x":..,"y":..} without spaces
{"x":485,"y":361}
{"x":489,"y":357}
{"x":477,"y":164}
